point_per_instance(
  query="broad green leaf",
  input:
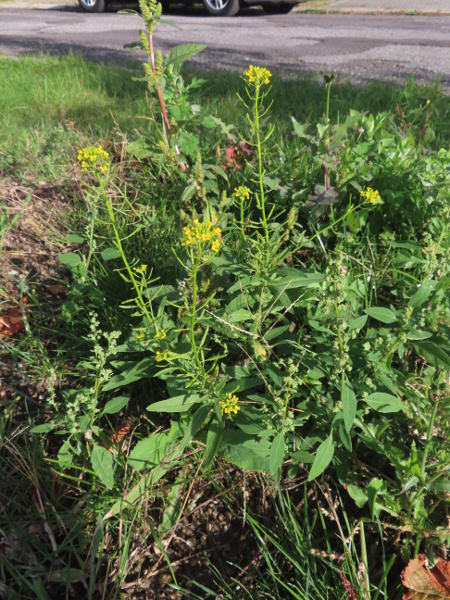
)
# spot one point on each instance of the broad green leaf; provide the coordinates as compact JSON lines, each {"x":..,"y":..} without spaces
{"x":302,"y":457}
{"x":102,"y":461}
{"x":358,"y":495}
{"x":349,"y":405}
{"x":245,"y":451}
{"x":116,"y":404}
{"x":176,"y":404}
{"x":384,"y":403}
{"x":150,"y":451}
{"x":70,"y":259}
{"x":242,"y":314}
{"x":74,"y":238}
{"x":276,"y":454}
{"x":110,"y":253}
{"x":385,"y":315}
{"x":275,"y":332}
{"x":433,"y":354}
{"x":213,"y":439}
{"x":413,"y":334}
{"x":357,"y":323}
{"x":45,"y":428}
{"x":323,"y":458}
{"x":140,"y":370}
{"x":183,"y":52}
{"x":195,"y":423}
{"x":422,"y":294}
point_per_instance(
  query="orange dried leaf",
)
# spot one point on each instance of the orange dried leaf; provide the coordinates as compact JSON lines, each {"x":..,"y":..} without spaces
{"x":57,"y":288}
{"x":12,"y":322}
{"x":424,"y":584}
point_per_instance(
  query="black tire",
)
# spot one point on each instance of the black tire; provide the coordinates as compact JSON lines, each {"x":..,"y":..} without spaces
{"x":221,"y":8}
{"x":93,"y":6}
{"x":278,"y":8}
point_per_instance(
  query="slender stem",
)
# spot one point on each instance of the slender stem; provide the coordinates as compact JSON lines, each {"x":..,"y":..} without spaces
{"x":194,"y":310}
{"x":260,"y":170}
{"x":364,"y":560}
{"x":429,"y":434}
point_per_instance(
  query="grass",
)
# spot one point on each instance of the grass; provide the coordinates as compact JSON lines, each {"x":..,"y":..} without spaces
{"x":51,"y":548}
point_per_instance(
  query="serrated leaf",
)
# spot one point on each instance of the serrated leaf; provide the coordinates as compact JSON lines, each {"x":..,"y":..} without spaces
{"x":102,"y":463}
{"x":116,"y":404}
{"x":245,"y":452}
{"x":110,"y":253}
{"x":384,"y":403}
{"x":323,"y":458}
{"x":183,"y":52}
{"x":385,"y":315}
{"x":277,"y":454}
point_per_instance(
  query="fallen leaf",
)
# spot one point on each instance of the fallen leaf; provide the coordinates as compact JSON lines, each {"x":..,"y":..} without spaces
{"x":57,"y":288}
{"x":425,"y":584}
{"x":12,"y":322}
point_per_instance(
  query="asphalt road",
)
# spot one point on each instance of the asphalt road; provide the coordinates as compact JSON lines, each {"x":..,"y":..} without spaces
{"x":360,"y":48}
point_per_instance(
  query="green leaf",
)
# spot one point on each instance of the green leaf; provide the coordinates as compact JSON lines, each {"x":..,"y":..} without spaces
{"x":183,"y":52}
{"x":74,"y":238}
{"x":116,"y":404}
{"x":102,"y":462}
{"x":140,"y":370}
{"x":375,"y":486}
{"x":43,"y":428}
{"x":358,"y":495}
{"x":421,"y":295}
{"x":323,"y":458}
{"x":150,"y":451}
{"x":385,"y":315}
{"x":277,"y":454}
{"x":349,"y":405}
{"x":195,"y":423}
{"x":433,"y":354}
{"x":176,"y":404}
{"x":213,"y":439}
{"x":242,"y":314}
{"x":110,"y":253}
{"x":70,"y":259}
{"x":245,"y":452}
{"x":357,"y":323}
{"x":384,"y":403}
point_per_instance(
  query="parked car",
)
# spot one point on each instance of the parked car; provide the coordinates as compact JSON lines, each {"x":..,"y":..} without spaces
{"x":217,"y":8}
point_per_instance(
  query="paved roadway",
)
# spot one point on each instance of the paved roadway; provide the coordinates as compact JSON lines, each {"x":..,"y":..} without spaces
{"x":359,"y":47}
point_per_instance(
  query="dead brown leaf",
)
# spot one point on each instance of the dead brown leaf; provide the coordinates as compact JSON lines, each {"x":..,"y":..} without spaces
{"x":426,"y":584}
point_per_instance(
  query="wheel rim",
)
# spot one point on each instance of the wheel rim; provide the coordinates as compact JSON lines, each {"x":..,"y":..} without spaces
{"x":89,"y":3}
{"x":216,"y":4}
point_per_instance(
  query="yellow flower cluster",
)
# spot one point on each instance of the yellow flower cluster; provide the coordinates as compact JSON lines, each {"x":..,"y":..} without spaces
{"x":161,"y":335}
{"x":140,"y":269}
{"x":139,"y":334}
{"x":373,"y":196}
{"x":257,"y":75}
{"x":201,"y":233}
{"x":160,"y":356}
{"x":93,"y":157}
{"x":230,"y":404}
{"x":241,"y":193}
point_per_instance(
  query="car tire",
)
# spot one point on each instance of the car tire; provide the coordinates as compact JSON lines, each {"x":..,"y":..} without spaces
{"x":278,"y":8}
{"x":221,"y":8}
{"x":93,"y":6}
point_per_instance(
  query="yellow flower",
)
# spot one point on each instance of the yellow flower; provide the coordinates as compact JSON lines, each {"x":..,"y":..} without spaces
{"x":241,"y":193}
{"x":140,"y":269}
{"x":257,"y":75}
{"x":93,"y":158}
{"x":160,"y":356}
{"x":161,"y":335}
{"x":215,"y":246}
{"x":140,"y":334}
{"x":230,"y":404}
{"x":200,"y":233}
{"x":373,"y":196}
